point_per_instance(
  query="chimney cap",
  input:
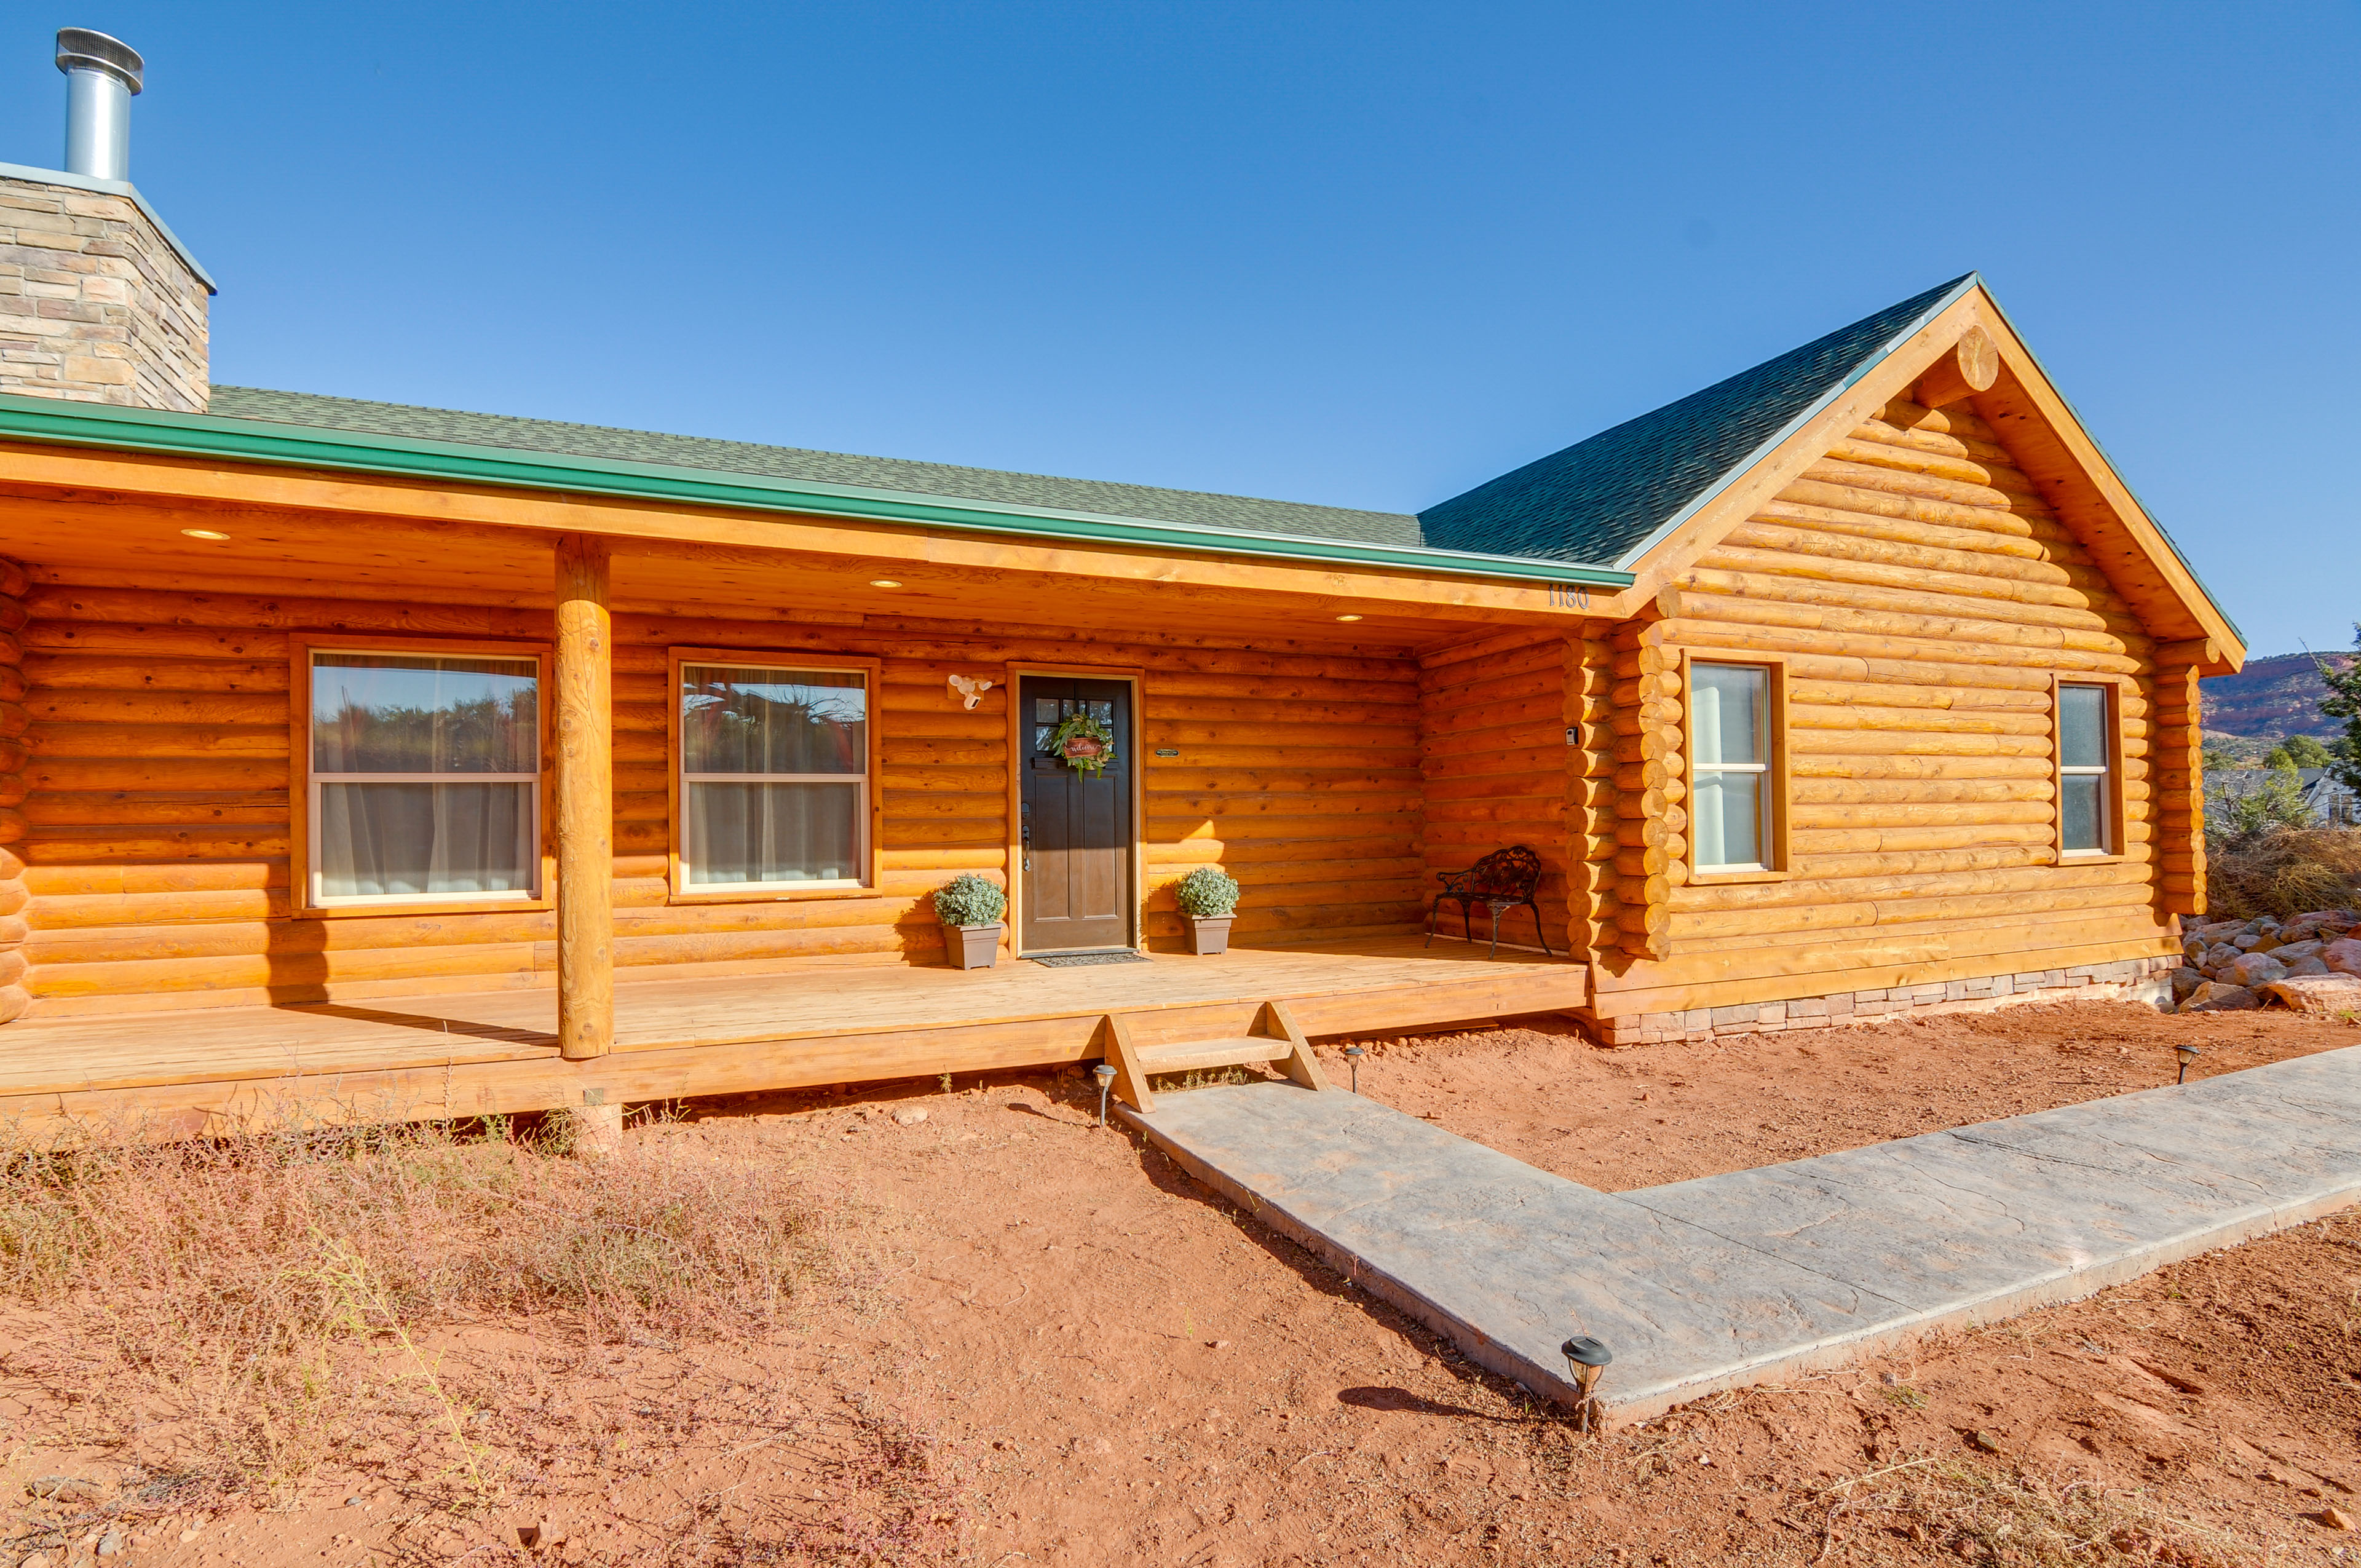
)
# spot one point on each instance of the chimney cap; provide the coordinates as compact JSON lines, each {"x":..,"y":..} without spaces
{"x":79,"y":48}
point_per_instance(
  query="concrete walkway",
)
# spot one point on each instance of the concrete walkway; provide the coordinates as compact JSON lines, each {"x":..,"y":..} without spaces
{"x":1741,"y":1279}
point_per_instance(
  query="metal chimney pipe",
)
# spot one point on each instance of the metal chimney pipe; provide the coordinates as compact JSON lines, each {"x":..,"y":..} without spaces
{"x":102,"y":74}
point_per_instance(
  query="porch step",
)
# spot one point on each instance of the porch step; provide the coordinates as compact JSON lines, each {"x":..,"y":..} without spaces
{"x":1189,"y":1056}
{"x":1275,"y":1040}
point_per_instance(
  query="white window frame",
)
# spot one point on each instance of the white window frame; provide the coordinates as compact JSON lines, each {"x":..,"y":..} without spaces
{"x":315,"y":778}
{"x":1764,"y":809}
{"x":1771,"y":797}
{"x":864,"y":854}
{"x":2109,"y":728}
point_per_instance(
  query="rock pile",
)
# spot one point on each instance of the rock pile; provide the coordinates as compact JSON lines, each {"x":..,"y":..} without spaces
{"x":2312,"y":962}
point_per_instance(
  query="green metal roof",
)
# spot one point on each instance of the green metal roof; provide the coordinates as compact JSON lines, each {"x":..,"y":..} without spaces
{"x":1611,"y":498}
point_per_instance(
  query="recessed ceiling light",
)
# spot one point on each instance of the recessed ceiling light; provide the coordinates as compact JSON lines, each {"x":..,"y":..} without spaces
{"x":203,"y":534}
{"x":883,"y":582}
{"x":1348,"y":618}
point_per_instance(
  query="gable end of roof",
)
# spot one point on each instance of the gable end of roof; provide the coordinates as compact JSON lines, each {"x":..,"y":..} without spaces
{"x":1611,"y":497}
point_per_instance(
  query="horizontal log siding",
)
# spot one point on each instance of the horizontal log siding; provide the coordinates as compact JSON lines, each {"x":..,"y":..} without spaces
{"x":155,"y":831}
{"x":14,"y":720}
{"x":1495,"y":759}
{"x":1924,"y":596}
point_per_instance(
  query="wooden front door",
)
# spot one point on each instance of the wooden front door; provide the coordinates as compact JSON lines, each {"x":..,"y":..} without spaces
{"x":1076,"y":828}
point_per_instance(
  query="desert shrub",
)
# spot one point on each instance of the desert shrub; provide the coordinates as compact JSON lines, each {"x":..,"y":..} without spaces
{"x":1206,"y":892}
{"x":2283,"y":870}
{"x":969,"y":900}
{"x":2273,"y":802}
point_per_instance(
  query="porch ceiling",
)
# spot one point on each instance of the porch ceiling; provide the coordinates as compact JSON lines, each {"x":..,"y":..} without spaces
{"x":77,"y":536}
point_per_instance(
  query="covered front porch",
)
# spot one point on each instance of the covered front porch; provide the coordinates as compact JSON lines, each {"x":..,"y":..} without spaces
{"x":217,"y":1071}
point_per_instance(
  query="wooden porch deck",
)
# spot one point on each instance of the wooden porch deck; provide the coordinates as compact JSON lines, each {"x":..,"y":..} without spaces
{"x":185,"y":1073}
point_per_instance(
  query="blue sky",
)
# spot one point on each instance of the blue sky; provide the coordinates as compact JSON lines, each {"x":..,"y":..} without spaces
{"x":1366,"y":255}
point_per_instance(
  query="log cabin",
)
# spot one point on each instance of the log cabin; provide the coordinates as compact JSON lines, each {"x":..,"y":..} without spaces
{"x":402,"y":762}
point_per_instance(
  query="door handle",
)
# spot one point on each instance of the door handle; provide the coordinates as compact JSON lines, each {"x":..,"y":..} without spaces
{"x":1025,"y":834}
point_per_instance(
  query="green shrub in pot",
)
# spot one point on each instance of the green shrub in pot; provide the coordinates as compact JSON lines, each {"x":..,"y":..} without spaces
{"x":970,"y":908}
{"x":971,"y":900}
{"x":1209,"y":900}
{"x":1206,"y":894}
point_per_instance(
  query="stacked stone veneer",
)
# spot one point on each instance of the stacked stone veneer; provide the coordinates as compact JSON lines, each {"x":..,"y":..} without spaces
{"x":2145,"y":980}
{"x":95,"y":305}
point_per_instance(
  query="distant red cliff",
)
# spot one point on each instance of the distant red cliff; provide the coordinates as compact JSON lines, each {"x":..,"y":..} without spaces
{"x":2274,"y":696}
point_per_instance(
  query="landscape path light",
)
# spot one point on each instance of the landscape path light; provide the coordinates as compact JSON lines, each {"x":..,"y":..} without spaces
{"x":2188,"y":1054}
{"x":1105,"y":1074}
{"x":1354,"y":1054}
{"x":1585,"y":1358}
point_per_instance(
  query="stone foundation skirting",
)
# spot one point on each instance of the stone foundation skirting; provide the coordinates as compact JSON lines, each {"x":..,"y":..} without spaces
{"x":2139,"y":980}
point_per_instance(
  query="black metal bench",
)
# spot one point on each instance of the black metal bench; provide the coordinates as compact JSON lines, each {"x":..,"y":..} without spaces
{"x":1503,"y":880}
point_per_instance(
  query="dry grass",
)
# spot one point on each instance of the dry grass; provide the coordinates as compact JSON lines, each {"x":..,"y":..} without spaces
{"x":243,"y":1285}
{"x":1977,"y":1515}
{"x":2283,"y":872}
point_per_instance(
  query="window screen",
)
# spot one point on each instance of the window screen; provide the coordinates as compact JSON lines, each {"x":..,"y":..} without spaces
{"x":1729,"y":726}
{"x":2085,"y":759}
{"x":775,"y":776}
{"x":424,"y":777}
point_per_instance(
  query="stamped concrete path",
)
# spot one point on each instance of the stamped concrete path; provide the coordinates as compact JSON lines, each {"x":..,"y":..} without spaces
{"x":1734,"y":1279}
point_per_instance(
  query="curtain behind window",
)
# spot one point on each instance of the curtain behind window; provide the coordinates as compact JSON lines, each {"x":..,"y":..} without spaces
{"x":402,"y":748}
{"x":774,"y":765}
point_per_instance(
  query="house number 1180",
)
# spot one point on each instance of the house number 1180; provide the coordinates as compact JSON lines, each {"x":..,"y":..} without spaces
{"x":1568,"y":596}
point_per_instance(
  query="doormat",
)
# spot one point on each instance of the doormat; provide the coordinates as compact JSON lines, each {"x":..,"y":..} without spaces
{"x":1070,"y":961}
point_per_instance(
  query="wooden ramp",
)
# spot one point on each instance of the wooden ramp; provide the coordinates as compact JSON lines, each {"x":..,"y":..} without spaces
{"x":189,"y":1072}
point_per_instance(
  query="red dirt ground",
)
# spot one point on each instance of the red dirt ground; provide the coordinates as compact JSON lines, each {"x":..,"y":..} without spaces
{"x":1045,"y":1346}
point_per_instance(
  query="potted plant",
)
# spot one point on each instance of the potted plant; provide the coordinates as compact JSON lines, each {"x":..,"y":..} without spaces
{"x":1209,"y":900}
{"x":970,"y":908}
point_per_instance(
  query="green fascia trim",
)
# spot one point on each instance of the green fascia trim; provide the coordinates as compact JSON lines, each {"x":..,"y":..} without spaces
{"x":255,"y":440}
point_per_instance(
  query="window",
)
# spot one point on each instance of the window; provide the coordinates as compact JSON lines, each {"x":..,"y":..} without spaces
{"x":2085,"y":770}
{"x":1731,"y":793}
{"x":774,"y":777}
{"x":424,"y":778}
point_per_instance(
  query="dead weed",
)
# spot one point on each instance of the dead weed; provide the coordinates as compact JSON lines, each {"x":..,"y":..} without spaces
{"x":2283,"y":872}
{"x":1989,"y":1516}
{"x":271,"y":1290}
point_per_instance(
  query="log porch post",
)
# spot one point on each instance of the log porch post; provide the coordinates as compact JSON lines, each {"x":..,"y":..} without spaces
{"x":585,"y":801}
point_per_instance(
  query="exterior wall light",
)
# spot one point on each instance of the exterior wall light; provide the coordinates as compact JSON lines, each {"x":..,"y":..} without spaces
{"x":203,"y":534}
{"x":883,"y":582}
{"x":1348,"y":618}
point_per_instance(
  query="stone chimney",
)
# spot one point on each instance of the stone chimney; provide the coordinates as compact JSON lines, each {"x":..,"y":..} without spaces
{"x":99,"y":302}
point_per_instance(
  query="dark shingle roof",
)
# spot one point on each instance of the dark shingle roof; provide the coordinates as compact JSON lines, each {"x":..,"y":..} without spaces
{"x":1606,"y":500}
{"x":1601,"y":501}
{"x":936,"y":480}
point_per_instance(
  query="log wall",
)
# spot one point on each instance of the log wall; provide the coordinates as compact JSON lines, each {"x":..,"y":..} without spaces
{"x":155,"y":832}
{"x":1924,"y":597}
{"x":14,"y":720}
{"x":1494,"y":755}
